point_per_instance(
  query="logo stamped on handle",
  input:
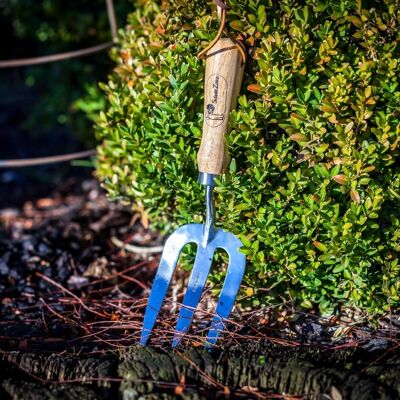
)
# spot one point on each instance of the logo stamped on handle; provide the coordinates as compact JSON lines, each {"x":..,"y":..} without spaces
{"x":214,"y":111}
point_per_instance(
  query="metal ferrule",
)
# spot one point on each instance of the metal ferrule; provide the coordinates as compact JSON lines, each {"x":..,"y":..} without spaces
{"x":208,"y":181}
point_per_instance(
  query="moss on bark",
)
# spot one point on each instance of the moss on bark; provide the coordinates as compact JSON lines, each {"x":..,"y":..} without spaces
{"x":149,"y":373}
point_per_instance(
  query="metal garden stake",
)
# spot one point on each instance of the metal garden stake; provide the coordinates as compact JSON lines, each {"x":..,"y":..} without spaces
{"x":224,"y":72}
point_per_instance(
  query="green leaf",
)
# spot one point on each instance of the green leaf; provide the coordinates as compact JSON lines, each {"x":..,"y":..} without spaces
{"x":320,"y":246}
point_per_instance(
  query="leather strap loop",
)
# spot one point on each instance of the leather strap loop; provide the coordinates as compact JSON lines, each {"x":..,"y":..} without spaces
{"x":224,"y":7}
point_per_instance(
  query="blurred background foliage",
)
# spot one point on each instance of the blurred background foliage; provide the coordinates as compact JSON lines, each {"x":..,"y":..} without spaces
{"x":45,"y":99}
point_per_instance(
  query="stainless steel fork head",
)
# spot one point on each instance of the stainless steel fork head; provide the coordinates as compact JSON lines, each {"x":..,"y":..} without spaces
{"x":206,"y":246}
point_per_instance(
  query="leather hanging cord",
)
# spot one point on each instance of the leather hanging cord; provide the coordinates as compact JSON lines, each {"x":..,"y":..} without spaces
{"x":224,"y":7}
{"x":218,"y":36}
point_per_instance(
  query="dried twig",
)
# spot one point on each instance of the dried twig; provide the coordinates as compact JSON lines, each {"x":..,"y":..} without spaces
{"x":136,"y":249}
{"x":65,"y":290}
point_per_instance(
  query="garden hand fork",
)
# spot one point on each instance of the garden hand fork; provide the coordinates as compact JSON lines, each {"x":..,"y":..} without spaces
{"x":224,"y":72}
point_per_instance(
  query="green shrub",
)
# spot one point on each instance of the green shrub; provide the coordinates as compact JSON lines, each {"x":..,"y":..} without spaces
{"x":313,"y":188}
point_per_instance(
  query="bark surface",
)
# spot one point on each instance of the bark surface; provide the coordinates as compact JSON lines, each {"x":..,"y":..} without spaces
{"x":253,"y":370}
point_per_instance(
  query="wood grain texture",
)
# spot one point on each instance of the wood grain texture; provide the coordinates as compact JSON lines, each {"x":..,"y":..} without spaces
{"x":223,"y":78}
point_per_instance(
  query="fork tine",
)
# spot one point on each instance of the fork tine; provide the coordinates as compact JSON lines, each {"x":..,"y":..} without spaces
{"x":157,"y":295}
{"x":233,"y":279}
{"x":196,"y":285}
{"x":168,"y":261}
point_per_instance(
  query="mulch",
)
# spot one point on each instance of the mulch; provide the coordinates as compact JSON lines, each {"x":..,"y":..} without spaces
{"x":65,"y":285}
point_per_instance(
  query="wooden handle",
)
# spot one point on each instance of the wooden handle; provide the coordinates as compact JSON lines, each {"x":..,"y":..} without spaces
{"x":224,"y":73}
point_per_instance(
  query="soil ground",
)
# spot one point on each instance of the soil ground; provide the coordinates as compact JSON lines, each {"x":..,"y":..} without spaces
{"x":72,"y":301}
